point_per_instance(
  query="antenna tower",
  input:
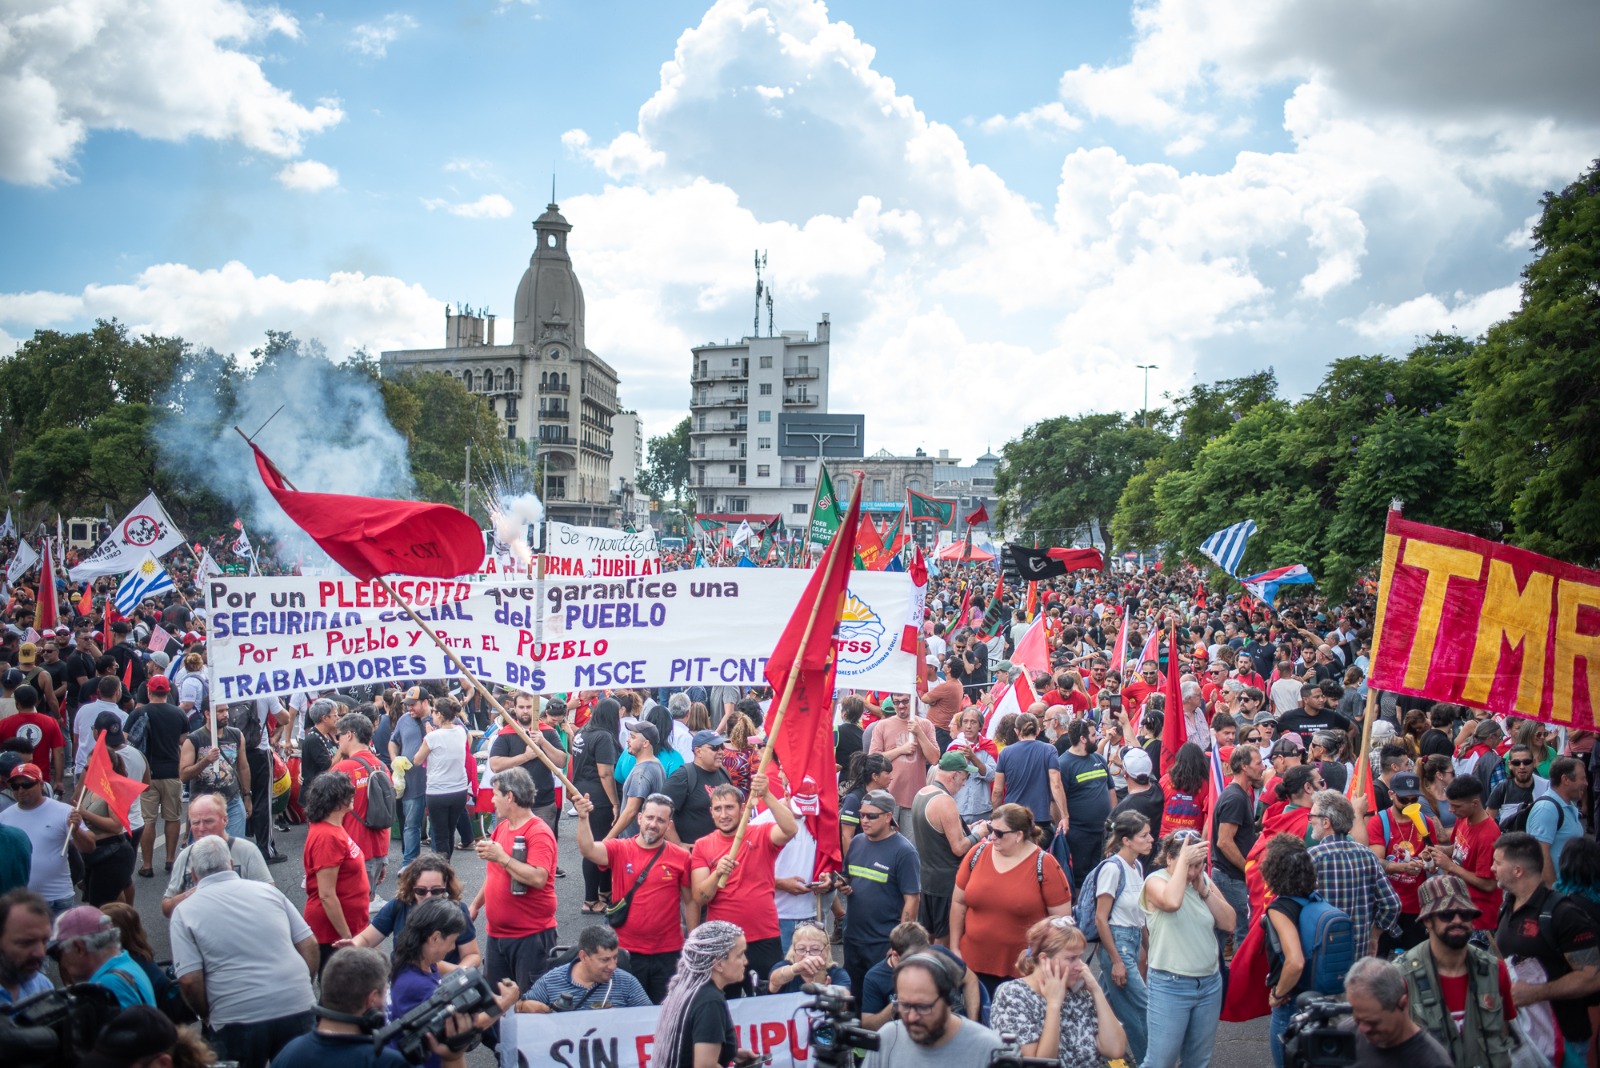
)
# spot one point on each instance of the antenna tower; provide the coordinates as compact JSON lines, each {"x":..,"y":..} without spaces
{"x":761,"y":263}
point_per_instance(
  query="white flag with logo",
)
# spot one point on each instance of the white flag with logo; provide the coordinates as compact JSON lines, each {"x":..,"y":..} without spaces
{"x":146,"y":528}
{"x":207,"y":566}
{"x":21,"y":562}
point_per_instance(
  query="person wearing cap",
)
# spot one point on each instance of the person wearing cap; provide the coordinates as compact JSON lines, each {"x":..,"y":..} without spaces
{"x":29,"y":672}
{"x":645,"y":778}
{"x":1144,"y":794}
{"x":1476,"y":753}
{"x":129,"y":663}
{"x":87,"y":947}
{"x":411,"y":782}
{"x":691,"y":786}
{"x":47,"y":823}
{"x":165,"y":730}
{"x":883,"y":886}
{"x":1403,"y":849}
{"x":1460,"y":993}
{"x":942,"y":840}
{"x":41,"y":730}
{"x":25,"y":928}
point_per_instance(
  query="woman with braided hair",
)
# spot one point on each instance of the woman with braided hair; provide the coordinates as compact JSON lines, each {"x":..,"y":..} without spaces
{"x":695,"y":1028}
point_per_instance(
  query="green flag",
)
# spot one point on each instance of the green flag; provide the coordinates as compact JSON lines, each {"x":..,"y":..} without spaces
{"x":921,"y":508}
{"x":825,"y":518}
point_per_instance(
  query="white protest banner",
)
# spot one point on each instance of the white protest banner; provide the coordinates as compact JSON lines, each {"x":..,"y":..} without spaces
{"x":625,"y":1038}
{"x":146,"y":527}
{"x":708,"y":626}
{"x":598,"y":552}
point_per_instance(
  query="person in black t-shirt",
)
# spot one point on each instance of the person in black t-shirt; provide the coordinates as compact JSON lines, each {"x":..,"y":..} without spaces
{"x":690,"y":789}
{"x":1144,"y":797}
{"x":1315,"y":712}
{"x":1386,"y":1035}
{"x":695,"y":1015}
{"x":1439,"y":737}
{"x":510,"y":751}
{"x":1234,"y":835}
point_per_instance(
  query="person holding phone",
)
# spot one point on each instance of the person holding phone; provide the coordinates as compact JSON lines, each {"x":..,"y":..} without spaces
{"x":1183,"y":908}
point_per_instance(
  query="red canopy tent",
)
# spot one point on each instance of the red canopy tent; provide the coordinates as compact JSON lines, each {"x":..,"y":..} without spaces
{"x":958,"y":550}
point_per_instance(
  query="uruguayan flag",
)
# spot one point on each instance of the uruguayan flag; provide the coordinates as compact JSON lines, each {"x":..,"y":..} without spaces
{"x":146,"y":580}
{"x":1225,"y":548}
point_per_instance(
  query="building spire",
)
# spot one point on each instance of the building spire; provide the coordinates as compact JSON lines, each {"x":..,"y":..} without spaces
{"x":552,"y":187}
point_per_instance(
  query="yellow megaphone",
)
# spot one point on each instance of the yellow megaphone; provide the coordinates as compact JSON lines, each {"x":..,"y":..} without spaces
{"x":1413,"y":812}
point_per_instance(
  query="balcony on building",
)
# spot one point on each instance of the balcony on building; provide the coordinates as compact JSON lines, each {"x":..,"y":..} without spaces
{"x":801,"y":400}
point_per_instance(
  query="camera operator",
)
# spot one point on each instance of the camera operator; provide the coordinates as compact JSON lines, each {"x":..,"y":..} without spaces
{"x":927,"y":1032}
{"x":1386,"y":1035}
{"x":355,"y":985}
{"x":592,"y":981}
{"x":419,"y":951}
{"x":24,"y":937}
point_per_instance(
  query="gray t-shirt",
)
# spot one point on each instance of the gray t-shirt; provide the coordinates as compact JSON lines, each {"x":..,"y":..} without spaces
{"x":407,"y":739}
{"x":647,"y":777}
{"x":253,"y":971}
{"x":246,"y":861}
{"x":971,"y":1044}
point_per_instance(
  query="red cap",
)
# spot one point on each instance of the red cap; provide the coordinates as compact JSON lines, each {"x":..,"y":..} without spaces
{"x":30,"y":772}
{"x":158,"y":684}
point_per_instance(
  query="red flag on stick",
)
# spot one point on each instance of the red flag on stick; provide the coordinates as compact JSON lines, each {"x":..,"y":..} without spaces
{"x":980,"y":516}
{"x":370,"y":536}
{"x":99,"y":778}
{"x":1174,"y":724}
{"x":46,"y":611}
{"x":801,"y":671}
{"x":86,"y":602}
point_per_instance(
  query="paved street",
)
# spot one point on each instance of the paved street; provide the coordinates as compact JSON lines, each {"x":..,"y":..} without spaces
{"x":1238,"y":1045}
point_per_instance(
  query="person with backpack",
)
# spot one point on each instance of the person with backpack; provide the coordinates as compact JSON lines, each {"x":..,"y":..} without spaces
{"x":1110,"y":915}
{"x":1508,"y":802}
{"x":1310,"y":944}
{"x":372,"y":815}
{"x":1545,"y":926}
{"x":1555,"y":819}
{"x":1458,"y":992}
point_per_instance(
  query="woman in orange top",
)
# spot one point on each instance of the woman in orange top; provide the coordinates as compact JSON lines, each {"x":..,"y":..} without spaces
{"x":1004,"y":885}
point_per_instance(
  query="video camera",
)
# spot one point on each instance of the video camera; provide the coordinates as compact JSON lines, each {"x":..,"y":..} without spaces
{"x":1009,"y":1055}
{"x":56,"y":1027}
{"x":463,"y":990}
{"x":836,"y":1031}
{"x":1314,"y":1039}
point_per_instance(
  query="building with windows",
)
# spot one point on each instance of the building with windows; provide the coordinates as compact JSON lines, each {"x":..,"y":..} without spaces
{"x":738,"y":393}
{"x":627,"y":460}
{"x":549,"y":391}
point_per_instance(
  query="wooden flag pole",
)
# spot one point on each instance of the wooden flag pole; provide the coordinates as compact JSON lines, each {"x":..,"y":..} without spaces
{"x":505,"y":716}
{"x":777,"y":721}
{"x":1370,"y":713}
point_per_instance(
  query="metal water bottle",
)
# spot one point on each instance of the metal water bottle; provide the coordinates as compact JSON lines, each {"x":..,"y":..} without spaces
{"x":519,"y":853}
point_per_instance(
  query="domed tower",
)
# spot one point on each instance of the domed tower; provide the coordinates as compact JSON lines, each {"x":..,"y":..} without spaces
{"x":549,"y":304}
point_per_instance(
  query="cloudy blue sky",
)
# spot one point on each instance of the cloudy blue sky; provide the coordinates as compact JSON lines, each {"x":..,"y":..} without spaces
{"x":1003,"y":207}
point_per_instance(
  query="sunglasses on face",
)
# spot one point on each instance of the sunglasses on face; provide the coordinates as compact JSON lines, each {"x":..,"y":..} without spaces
{"x":872,"y":815}
{"x":432,"y":891}
{"x":1453,"y":915}
{"x":1520,"y":763}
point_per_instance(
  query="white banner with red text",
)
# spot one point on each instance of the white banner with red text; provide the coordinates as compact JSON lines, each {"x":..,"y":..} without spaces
{"x":706,"y":627}
{"x":625,"y":1038}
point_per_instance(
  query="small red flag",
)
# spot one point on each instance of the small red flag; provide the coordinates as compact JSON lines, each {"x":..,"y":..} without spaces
{"x":127,"y":675}
{"x":86,"y":602}
{"x":804,"y":740}
{"x":46,"y":611}
{"x":1174,"y":724}
{"x":100,"y":779}
{"x":370,"y":536}
{"x":869,"y":545}
{"x":980,"y":516}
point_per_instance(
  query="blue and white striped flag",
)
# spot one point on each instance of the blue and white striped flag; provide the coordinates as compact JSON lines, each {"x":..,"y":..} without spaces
{"x":1225,"y":548}
{"x":146,"y":580}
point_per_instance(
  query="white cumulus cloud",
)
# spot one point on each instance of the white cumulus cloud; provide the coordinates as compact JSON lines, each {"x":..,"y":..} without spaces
{"x":308,"y":176}
{"x":488,"y":206}
{"x":162,"y":69}
{"x":1468,"y":314}
{"x":374,"y":38}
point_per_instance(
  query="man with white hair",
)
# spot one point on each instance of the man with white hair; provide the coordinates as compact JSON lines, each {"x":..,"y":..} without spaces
{"x":249,"y":982}
{"x":678,"y":705}
{"x":1386,"y":1035}
{"x":88,"y":949}
{"x":1194,"y":714}
{"x":208,"y":817}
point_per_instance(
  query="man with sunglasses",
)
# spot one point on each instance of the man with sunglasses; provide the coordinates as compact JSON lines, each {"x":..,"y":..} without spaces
{"x":47,"y":823}
{"x":883,"y":887}
{"x":690,"y":789}
{"x":1522,"y":788}
{"x":1458,"y":992}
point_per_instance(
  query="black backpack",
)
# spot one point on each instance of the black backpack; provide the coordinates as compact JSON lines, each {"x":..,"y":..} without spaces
{"x":1519,"y":822}
{"x":381,"y":801}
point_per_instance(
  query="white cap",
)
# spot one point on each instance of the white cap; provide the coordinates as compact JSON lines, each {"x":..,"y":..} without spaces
{"x":1136,"y":763}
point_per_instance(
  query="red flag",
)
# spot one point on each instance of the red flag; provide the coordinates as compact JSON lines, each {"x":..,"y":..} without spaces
{"x":1033,"y":599}
{"x":1078,"y":559}
{"x":805,"y":654}
{"x":127,"y":674}
{"x":100,"y":779}
{"x":911,"y":636}
{"x":1174,"y":724}
{"x":238,"y":524}
{"x":369,"y":536}
{"x":980,"y":516}
{"x":1120,"y":653}
{"x":1033,"y":651}
{"x":46,"y":611}
{"x":86,"y":602}
{"x":1200,"y":598}
{"x":869,"y":545}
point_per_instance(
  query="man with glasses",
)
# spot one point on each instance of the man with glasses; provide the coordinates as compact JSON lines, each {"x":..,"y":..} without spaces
{"x":1135,"y":693}
{"x":1459,"y":993}
{"x":927,"y":1032}
{"x":1349,"y":876}
{"x":883,"y":884}
{"x":690,"y":788}
{"x":1521,"y":789}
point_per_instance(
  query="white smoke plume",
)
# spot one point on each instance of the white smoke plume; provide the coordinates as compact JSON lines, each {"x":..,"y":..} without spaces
{"x":512,"y":518}
{"x":332,"y":435}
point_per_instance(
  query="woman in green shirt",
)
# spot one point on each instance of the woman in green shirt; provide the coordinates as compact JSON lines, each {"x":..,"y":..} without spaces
{"x":1184,"y":909}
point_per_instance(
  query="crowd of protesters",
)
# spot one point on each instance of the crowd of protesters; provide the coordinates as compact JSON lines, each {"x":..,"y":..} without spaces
{"x":1042,"y":871}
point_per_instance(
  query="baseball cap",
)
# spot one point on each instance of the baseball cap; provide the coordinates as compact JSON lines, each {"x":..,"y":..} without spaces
{"x":706,"y":738}
{"x":1445,"y":893}
{"x":957,"y":762}
{"x":881,"y":799}
{"x":555,"y":707}
{"x":12,"y":678}
{"x":1382,"y":730}
{"x":136,"y":1034}
{"x":649,"y":731}
{"x":161,"y":660}
{"x":30,"y":772}
{"x":121,"y":626}
{"x":158,"y":684}
{"x":1136,"y":764}
{"x":112,"y":725}
{"x":417,"y":693}
{"x":1006,"y":666}
{"x":27,"y":653}
{"x":1405,"y":784}
{"x":75,"y":923}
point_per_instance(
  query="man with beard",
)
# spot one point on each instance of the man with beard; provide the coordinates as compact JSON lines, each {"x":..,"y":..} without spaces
{"x":926,"y":1032}
{"x":1524,"y":786}
{"x":1459,"y":993}
{"x":656,"y":873}
{"x":24,"y":937}
{"x":747,"y":900}
{"x":510,"y":751}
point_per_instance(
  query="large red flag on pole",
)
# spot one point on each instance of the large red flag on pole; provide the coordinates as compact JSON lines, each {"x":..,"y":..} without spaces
{"x":801,"y":672}
{"x":1174,"y":724}
{"x":118,"y":791}
{"x":370,"y":536}
{"x":46,"y":610}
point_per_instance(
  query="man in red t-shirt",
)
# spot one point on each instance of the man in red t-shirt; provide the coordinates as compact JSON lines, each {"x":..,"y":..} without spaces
{"x":1470,"y":856}
{"x":49,"y":744}
{"x":1148,"y":682}
{"x":1404,"y":852}
{"x":653,"y":931}
{"x":357,"y":760}
{"x":748,"y":898}
{"x":517,"y":898}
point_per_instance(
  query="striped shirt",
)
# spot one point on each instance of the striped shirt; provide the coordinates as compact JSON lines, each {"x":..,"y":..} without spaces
{"x":621,"y":991}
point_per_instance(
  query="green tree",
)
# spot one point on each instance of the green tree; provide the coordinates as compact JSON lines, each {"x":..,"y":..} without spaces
{"x":1068,"y":472}
{"x":1533,"y":433}
{"x":666,"y":468}
{"x":439,"y":418}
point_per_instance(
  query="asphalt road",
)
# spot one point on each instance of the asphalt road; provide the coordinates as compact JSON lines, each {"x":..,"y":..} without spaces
{"x":1238,"y":1045}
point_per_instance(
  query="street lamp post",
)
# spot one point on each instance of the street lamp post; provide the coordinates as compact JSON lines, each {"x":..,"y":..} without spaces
{"x":1146,"y":368}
